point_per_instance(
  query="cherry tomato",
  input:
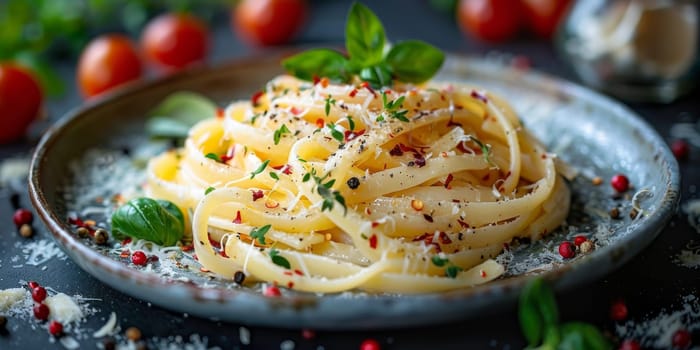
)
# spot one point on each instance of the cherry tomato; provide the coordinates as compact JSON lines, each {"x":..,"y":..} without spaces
{"x":175,"y":40}
{"x":489,"y":20}
{"x":20,"y":99}
{"x":106,"y":62}
{"x":268,"y":22}
{"x":543,"y":16}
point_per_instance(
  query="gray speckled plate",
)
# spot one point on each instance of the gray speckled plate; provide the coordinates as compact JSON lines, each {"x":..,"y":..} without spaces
{"x":596,"y":135}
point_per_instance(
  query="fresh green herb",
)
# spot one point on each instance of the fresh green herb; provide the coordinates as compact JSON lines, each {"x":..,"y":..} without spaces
{"x":274,"y":175}
{"x":209,"y":190}
{"x":329,"y":196}
{"x":306,"y":177}
{"x":254,"y":118}
{"x":380,"y":119}
{"x":259,"y":169}
{"x":158,"y":221}
{"x":279,"y":132}
{"x":438,"y":261}
{"x":174,"y":117}
{"x":278,"y":259}
{"x":365,"y":40}
{"x":485,"y":149}
{"x":351,"y":123}
{"x":259,"y":233}
{"x":213,"y":156}
{"x":539,"y":321}
{"x":393,"y":107}
{"x":301,"y":160}
{"x":337,"y":135}
{"x":452,"y":271}
{"x":329,"y":101}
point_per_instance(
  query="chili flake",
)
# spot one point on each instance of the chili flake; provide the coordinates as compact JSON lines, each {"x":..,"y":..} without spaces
{"x":257,"y":195}
{"x":237,"y":220}
{"x":373,"y":241}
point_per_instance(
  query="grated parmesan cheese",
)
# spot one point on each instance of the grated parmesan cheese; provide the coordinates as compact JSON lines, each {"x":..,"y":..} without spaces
{"x":10,"y":297}
{"x":63,"y":308}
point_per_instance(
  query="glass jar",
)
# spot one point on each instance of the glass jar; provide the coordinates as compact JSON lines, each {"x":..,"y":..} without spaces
{"x":638,"y":50}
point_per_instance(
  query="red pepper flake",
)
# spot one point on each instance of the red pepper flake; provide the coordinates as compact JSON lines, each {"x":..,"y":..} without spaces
{"x":272,"y":291}
{"x":290,"y":284}
{"x":76,"y":221}
{"x":479,"y":96}
{"x":41,"y":311}
{"x":351,"y":135}
{"x":298,"y":272}
{"x":55,"y":328}
{"x":39,"y":294}
{"x":428,"y":218}
{"x":370,"y":344}
{"x":126,"y":241}
{"x":567,"y":250}
{"x":287,"y":169}
{"x":139,"y":258}
{"x":22,"y":217}
{"x":419,"y":160}
{"x":374,"y":224}
{"x":396,"y":151}
{"x":187,"y":248}
{"x":124,"y":254}
{"x":353,"y":93}
{"x":228,"y":156}
{"x":223,"y":253}
{"x":220,"y":112}
{"x":680,"y":149}
{"x":369,"y":88}
{"x":578,"y":240}
{"x":320,"y":123}
{"x":630,"y":344}
{"x":482,"y":273}
{"x":462,"y":223}
{"x":256,"y":195}
{"x":444,"y":238}
{"x":214,"y":243}
{"x":237,"y":220}
{"x":620,"y":183}
{"x":681,"y":339}
{"x":256,"y":98}
{"x":618,"y":310}
{"x":315,"y":79}
{"x":448,"y":180}
{"x":296,"y":111}
{"x":288,"y":273}
{"x":373,"y":241}
{"x":308,"y":334}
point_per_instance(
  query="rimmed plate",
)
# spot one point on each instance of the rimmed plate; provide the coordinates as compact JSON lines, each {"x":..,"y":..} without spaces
{"x":597,"y":136}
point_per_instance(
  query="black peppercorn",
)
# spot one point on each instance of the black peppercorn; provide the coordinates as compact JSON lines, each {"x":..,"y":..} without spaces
{"x":239,"y":277}
{"x":353,"y":182}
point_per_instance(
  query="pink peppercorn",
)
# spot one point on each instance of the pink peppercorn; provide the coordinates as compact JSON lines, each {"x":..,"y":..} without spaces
{"x":620,"y":183}
{"x":567,"y":250}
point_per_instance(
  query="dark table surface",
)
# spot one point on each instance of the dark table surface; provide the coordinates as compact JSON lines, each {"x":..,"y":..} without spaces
{"x":650,"y":284}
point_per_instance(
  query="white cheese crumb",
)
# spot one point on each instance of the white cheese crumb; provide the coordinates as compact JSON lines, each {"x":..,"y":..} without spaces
{"x":108,"y":327}
{"x":244,"y":335}
{"x":63,"y":308}
{"x":287,"y":345}
{"x":69,"y":342}
{"x":10,"y":297}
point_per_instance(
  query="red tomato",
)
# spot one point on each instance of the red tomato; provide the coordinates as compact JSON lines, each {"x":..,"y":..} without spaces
{"x":175,"y":40}
{"x":107,"y":61}
{"x":543,"y":16}
{"x":20,"y":99}
{"x":489,"y":20}
{"x":268,"y":22}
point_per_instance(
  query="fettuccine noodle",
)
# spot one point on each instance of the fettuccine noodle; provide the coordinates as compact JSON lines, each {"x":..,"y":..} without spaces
{"x":331,"y":187}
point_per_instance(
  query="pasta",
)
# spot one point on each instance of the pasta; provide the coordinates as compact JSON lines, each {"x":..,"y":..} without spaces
{"x":327,"y":187}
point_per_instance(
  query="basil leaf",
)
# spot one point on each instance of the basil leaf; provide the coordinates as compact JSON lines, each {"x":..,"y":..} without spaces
{"x":414,"y":61}
{"x":579,"y":335}
{"x":158,"y":221}
{"x":364,"y":36}
{"x":178,"y":113}
{"x":318,"y":63}
{"x":537,"y":311}
{"x":377,"y":76}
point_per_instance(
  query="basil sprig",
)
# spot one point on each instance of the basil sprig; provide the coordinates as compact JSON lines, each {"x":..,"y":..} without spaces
{"x":158,"y":221}
{"x":539,"y":321}
{"x":409,"y":61}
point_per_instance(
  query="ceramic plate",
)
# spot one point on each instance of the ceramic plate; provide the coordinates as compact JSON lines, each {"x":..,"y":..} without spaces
{"x":96,"y":152}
